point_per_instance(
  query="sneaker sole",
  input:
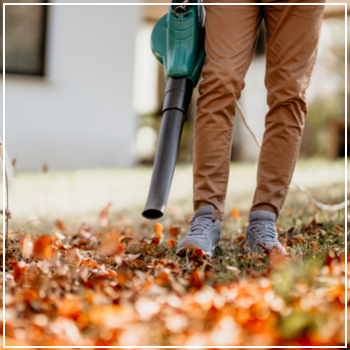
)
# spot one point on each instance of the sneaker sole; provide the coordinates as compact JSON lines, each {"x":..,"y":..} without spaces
{"x":189,"y":246}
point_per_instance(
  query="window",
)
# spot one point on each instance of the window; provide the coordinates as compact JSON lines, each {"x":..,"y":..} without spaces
{"x":25,"y":32}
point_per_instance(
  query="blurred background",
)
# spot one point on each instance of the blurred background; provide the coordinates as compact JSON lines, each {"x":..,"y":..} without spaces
{"x":83,"y":91}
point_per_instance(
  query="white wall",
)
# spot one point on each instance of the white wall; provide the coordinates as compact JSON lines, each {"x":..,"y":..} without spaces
{"x":80,"y":115}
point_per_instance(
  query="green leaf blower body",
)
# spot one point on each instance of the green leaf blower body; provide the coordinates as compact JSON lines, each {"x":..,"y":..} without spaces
{"x":177,"y":41}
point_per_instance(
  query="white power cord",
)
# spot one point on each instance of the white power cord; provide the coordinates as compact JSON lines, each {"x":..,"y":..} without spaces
{"x":300,"y":188}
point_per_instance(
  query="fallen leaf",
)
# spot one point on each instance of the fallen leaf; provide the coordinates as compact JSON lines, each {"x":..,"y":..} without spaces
{"x":73,"y":256}
{"x":171,"y":243}
{"x":155,"y":241}
{"x":233,"y":269}
{"x":27,"y":246}
{"x":19,"y":270}
{"x":112,"y":246}
{"x":103,"y":216}
{"x":197,"y":253}
{"x":69,"y":307}
{"x":239,"y":239}
{"x":42,"y":248}
{"x":85,"y":231}
{"x":339,"y":228}
{"x":124,"y":273}
{"x":235,"y":213}
{"x":60,"y":225}
{"x":163,"y":278}
{"x":158,"y":229}
{"x":88,"y":263}
{"x":313,"y":245}
{"x":174,"y":232}
{"x":298,"y":239}
{"x":196,"y":280}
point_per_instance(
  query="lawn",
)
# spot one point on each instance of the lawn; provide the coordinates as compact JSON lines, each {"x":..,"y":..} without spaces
{"x":82,"y":272}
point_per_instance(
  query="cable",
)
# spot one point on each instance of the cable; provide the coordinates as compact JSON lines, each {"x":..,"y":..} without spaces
{"x":318,"y":204}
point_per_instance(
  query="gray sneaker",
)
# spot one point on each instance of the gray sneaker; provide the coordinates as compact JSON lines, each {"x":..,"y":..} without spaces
{"x":203,"y":232}
{"x":262,"y":229}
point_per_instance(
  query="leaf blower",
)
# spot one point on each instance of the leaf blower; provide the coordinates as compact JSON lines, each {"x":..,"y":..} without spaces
{"x":177,"y":42}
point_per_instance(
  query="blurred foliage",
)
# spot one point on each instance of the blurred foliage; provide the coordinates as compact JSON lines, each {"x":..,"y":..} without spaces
{"x":322,"y":111}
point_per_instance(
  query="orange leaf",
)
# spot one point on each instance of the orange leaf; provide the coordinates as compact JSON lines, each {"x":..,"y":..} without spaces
{"x":69,"y":307}
{"x":197,"y":280}
{"x":198,"y":252}
{"x":103,"y":217}
{"x":112,"y":274}
{"x":89,"y":263}
{"x":313,"y":245}
{"x":112,"y":246}
{"x":60,"y":225}
{"x":171,"y":243}
{"x":235,"y":213}
{"x":18,"y":271}
{"x":174,"y":231}
{"x":42,"y":248}
{"x":158,"y":229}
{"x":124,"y":273}
{"x":163,"y":278}
{"x":155,"y":241}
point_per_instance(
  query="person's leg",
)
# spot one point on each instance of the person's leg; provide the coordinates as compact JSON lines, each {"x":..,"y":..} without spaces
{"x":292,"y":39}
{"x":231,"y":33}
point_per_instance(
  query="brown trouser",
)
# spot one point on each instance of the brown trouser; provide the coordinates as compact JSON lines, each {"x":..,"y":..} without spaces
{"x":292,"y":33}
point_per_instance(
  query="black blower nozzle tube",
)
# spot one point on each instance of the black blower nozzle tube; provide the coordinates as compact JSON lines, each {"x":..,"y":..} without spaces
{"x":177,"y":98}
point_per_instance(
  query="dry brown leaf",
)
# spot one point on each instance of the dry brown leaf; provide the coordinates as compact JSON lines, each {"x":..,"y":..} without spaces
{"x":103,"y":216}
{"x":298,"y":239}
{"x":174,"y":232}
{"x":197,"y":253}
{"x":124,"y":273}
{"x":73,"y":256}
{"x":112,"y":246}
{"x":239,"y":239}
{"x":233,"y":269}
{"x":27,"y":246}
{"x":155,"y":241}
{"x":85,"y":231}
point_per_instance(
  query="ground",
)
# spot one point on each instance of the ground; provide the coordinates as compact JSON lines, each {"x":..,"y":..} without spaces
{"x":81,"y":271}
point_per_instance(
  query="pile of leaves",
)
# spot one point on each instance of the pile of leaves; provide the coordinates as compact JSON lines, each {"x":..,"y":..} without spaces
{"x":112,"y":287}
